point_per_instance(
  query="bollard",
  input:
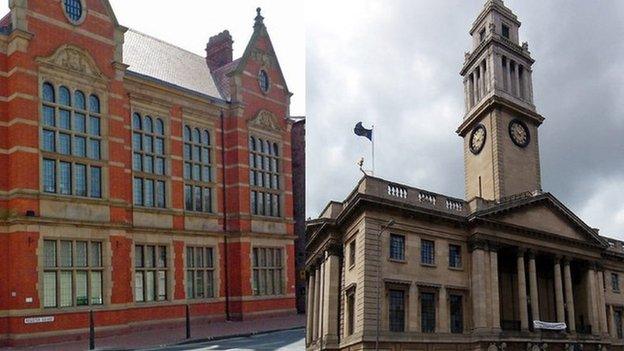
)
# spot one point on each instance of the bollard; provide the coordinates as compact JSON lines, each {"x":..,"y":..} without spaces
{"x":91,"y":331}
{"x":188,"y":323}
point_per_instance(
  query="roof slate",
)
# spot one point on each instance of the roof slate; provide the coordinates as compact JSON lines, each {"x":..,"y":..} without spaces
{"x":155,"y":58}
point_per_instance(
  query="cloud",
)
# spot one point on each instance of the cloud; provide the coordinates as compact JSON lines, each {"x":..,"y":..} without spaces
{"x":395,"y":64}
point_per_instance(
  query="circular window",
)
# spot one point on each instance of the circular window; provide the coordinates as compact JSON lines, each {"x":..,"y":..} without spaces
{"x":74,"y":10}
{"x":263,"y":80}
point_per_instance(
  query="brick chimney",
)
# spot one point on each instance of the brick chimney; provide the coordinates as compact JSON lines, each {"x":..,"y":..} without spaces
{"x":219,"y":50}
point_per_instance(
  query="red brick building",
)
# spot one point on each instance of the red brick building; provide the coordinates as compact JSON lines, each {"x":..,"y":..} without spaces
{"x":137,"y":177}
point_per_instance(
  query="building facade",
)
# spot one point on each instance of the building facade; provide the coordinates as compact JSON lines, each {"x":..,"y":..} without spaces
{"x":137,"y":177}
{"x":395,"y":267}
{"x":299,"y":213}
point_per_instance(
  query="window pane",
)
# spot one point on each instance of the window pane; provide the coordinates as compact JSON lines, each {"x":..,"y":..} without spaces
{"x":159,"y":127}
{"x":188,"y":197}
{"x":96,"y":254}
{"x":64,"y":144}
{"x":64,"y":96}
{"x":187,"y":152}
{"x":80,"y":122}
{"x":197,"y":198}
{"x":159,"y":146}
{"x":149,"y":256}
{"x":159,"y":166}
{"x":397,"y":247}
{"x":81,"y":179}
{"x":49,"y":176}
{"x":160,"y":194}
{"x":206,"y":174}
{"x":66,"y":253}
{"x":457,"y":316}
{"x":48,"y":116}
{"x":427,"y":252}
{"x":64,"y":119}
{"x":96,"y":182}
{"x":79,"y":100}
{"x":148,"y":198}
{"x":209,"y":259}
{"x":82,"y":298}
{"x":138,"y":256}
{"x":95,"y":152}
{"x":204,"y":155}
{"x":81,"y":253}
{"x":207,"y":200}
{"x":138,"y":191}
{"x":49,"y":289}
{"x":65,"y":180}
{"x":80,"y":146}
{"x":148,"y":164}
{"x":199,"y":257}
{"x":49,"y":141}
{"x":96,"y":288}
{"x":187,"y":170}
{"x":66,"y":287}
{"x":94,"y":104}
{"x":94,"y":125}
{"x":196,"y":172}
{"x":199,"y":288}
{"x":397,"y":310}
{"x":137,"y":162}
{"x":196,"y":156}
{"x":209,"y":284}
{"x":49,"y":249}
{"x":150,"y":285}
{"x":138,"y":286}
{"x":162,"y":285}
{"x":148,"y":143}
{"x":190,"y":287}
{"x":137,"y":141}
{"x":427,"y":312}
{"x":162,"y":256}
{"x":47,"y":92}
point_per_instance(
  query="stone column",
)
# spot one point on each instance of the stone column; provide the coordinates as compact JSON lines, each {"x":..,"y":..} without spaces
{"x":559,"y":291}
{"x":592,"y":303}
{"x":317,"y":297}
{"x":569,"y":295}
{"x":495,"y":303}
{"x":533,"y":288}
{"x":517,"y":79}
{"x":602,"y":309}
{"x":321,"y":300}
{"x":478,"y":287}
{"x":413,"y":317}
{"x":530,"y":84}
{"x":508,"y":75}
{"x":612,"y":328}
{"x":444,"y":316}
{"x":467,"y":94}
{"x":331,"y":292}
{"x":310,"y":307}
{"x":522,"y":298}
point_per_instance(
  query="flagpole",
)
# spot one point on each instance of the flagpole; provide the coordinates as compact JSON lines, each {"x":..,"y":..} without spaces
{"x":373,"y":142}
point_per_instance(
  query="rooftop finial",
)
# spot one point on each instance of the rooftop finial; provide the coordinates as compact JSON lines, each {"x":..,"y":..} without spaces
{"x":259,"y":18}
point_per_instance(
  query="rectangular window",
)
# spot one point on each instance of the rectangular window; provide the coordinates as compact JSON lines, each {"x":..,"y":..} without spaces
{"x":264,"y":176}
{"x":615,"y":282}
{"x":396,"y":305}
{"x":617,"y":316}
{"x":49,"y":176}
{"x":482,"y":35}
{"x":457,"y":314}
{"x":96,"y":182}
{"x":350,"y":311}
{"x":197,"y":170}
{"x":455,"y":260}
{"x":397,"y":247}
{"x":352,"y":253}
{"x":67,"y":273}
{"x":65,"y":178}
{"x":505,"y":31}
{"x":267,"y":271}
{"x":80,"y":174}
{"x":427,"y":312}
{"x":150,"y":273}
{"x":199,"y":272}
{"x":427,"y":252}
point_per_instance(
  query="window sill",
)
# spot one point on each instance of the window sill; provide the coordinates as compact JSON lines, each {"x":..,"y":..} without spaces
{"x":429,"y":265}
{"x":461,"y":268}
{"x":158,"y":210}
{"x":267,"y":218}
{"x":73,"y":198}
{"x":73,"y":309}
{"x":394,"y":260}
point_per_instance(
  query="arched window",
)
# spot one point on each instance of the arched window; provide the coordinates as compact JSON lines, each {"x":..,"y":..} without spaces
{"x":199,"y":183}
{"x":264,"y":178}
{"x":71,"y":148}
{"x":94,"y":104}
{"x":148,"y":161}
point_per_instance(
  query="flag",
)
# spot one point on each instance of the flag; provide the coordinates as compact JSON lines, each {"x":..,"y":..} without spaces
{"x":361,"y":131}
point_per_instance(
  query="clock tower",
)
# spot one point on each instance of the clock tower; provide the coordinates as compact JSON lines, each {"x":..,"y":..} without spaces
{"x":500,"y":127}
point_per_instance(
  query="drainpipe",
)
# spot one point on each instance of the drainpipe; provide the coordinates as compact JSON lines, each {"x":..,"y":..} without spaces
{"x":225,"y":228}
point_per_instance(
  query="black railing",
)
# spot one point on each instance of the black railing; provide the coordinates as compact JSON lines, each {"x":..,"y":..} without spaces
{"x":510,"y":325}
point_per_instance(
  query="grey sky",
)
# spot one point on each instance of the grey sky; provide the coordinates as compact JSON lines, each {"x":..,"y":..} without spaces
{"x":395,"y":64}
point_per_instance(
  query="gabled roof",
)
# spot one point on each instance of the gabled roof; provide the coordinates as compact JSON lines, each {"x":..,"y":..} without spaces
{"x":518,"y":203}
{"x":168,"y":63}
{"x":222,"y":78}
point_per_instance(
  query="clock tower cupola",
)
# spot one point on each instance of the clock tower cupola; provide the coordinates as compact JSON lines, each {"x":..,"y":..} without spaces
{"x":500,"y":127}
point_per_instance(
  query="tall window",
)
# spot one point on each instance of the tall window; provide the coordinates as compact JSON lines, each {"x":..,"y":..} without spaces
{"x":350,"y":310}
{"x":264,"y":177}
{"x":150,"y":273}
{"x":397,"y":247}
{"x":615,"y":282}
{"x":617,"y":316}
{"x":197,"y":170}
{"x":72,"y":273}
{"x":148,"y":161}
{"x":457,"y":314}
{"x":427,"y":312}
{"x":352,"y":253}
{"x":199,"y":273}
{"x":267,"y":271}
{"x":396,"y":305}
{"x":427,"y":252}
{"x":505,"y":31}
{"x":71,"y":142}
{"x":455,"y":260}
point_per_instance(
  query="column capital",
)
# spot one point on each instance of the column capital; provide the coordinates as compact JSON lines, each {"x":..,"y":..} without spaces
{"x":531,"y":254}
{"x":520,"y":251}
{"x":478,"y":245}
{"x":494,"y":246}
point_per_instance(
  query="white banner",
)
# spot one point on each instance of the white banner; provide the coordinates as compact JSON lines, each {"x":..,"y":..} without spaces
{"x":549,"y":325}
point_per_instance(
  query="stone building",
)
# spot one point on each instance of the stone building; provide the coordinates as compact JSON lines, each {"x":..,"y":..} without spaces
{"x":509,"y":267}
{"x":299,"y":187}
{"x":137,"y":178}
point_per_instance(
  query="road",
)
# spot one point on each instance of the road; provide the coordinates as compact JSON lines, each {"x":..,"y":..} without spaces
{"x":289,"y":340}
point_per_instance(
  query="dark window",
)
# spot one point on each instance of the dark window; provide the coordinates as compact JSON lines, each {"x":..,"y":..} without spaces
{"x":264,"y":177}
{"x":457,"y":314}
{"x":352,"y":253}
{"x":482,"y":34}
{"x":73,"y":9}
{"x":617,"y":316}
{"x":455,"y":256}
{"x":267,"y":271}
{"x":427,"y":252}
{"x":615,"y":282}
{"x":505,"y":31}
{"x":263,"y":80}
{"x":150,"y":273}
{"x":427,"y":312}
{"x":350,"y":311}
{"x":397,"y":310}
{"x":397,"y":247}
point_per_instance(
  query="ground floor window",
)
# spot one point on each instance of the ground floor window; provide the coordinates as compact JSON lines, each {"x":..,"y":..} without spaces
{"x":396,"y":310}
{"x":72,"y":273}
{"x":457,"y":314}
{"x":150,"y":276}
{"x":199,"y":272}
{"x":267,"y":271}
{"x":427,"y":312}
{"x":350,"y":310}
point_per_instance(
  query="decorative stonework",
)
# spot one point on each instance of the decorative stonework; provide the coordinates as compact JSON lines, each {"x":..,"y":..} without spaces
{"x":266,"y":60}
{"x":73,"y":59}
{"x":266,"y":120}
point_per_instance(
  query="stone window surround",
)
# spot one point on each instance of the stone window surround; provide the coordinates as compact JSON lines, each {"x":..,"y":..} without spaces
{"x":272,"y":137}
{"x":212,"y":184}
{"x":435,"y":261}
{"x":352,"y":244}
{"x":385,"y":315}
{"x":170,"y":270}
{"x":405,"y":251}
{"x":350,"y":318}
{"x":283,"y":268}
{"x":462,"y":256}
{"x":214,"y":270}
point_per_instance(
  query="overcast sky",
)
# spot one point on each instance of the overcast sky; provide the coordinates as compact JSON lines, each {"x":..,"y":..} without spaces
{"x":395,"y":64}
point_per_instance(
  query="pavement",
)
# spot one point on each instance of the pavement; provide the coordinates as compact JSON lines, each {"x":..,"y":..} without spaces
{"x":201,"y":333}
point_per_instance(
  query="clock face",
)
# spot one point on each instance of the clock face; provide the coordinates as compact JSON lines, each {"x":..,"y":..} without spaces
{"x":519,"y":133}
{"x":477,"y":139}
